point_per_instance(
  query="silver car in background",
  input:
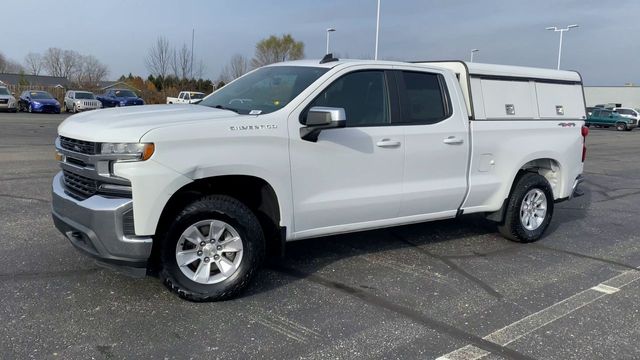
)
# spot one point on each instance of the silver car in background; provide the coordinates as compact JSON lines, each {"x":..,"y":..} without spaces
{"x":7,"y":101}
{"x":75,"y":101}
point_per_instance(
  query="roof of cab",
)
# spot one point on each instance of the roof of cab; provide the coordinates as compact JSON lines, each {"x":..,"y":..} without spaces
{"x":473,"y":68}
{"x":334,"y":63}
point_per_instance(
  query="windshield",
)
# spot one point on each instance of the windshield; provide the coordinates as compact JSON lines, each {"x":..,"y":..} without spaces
{"x":84,"y":95}
{"x":196,"y":96}
{"x":264,"y":90}
{"x":125,"y":93}
{"x":40,"y":95}
{"x":4,"y":91}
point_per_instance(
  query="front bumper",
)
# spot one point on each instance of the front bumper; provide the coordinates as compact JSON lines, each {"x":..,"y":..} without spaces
{"x":8,"y":106}
{"x":83,"y":107}
{"x":96,"y":227}
{"x":46,"y":109}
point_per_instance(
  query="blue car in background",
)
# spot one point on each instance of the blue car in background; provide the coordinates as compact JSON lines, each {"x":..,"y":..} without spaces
{"x":119,"y":97}
{"x":38,"y":101}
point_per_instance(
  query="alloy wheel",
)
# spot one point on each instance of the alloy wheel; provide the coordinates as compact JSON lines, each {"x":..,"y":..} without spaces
{"x":533,"y":209}
{"x":209,"y":251}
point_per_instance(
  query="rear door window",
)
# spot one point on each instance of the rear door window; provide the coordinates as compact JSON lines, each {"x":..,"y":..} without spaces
{"x":423,"y":97}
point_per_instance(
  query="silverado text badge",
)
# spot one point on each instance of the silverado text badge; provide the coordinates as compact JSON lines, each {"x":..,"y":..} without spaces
{"x":253,"y":127}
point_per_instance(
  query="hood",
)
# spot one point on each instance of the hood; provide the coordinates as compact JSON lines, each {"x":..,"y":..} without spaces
{"x":45,"y":101}
{"x":129,"y":124}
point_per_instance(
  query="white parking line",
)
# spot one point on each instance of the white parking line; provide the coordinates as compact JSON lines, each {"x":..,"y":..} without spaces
{"x":605,"y":289}
{"x":535,"y":321}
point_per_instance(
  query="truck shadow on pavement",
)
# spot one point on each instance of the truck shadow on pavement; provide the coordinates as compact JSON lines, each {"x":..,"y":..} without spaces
{"x":446,"y":243}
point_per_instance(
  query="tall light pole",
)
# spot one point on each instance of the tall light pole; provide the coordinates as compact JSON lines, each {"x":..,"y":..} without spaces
{"x":377,"y":31}
{"x":561,"y":31}
{"x":329,"y":30}
{"x":473,"y":51}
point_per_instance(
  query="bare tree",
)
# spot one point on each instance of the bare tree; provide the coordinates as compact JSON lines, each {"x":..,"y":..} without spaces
{"x":184,"y":60}
{"x":275,"y":49}
{"x":181,"y":62}
{"x":159,"y":59}
{"x":90,"y":72}
{"x":9,"y":66}
{"x":237,"y":66}
{"x":71,"y":63}
{"x":33,"y":63}
{"x":52,"y":61}
{"x":199,"y":69}
{"x":13,"y":67}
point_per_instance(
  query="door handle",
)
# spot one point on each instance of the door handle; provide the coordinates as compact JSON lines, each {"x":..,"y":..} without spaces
{"x":388,"y":143}
{"x":452,"y":140}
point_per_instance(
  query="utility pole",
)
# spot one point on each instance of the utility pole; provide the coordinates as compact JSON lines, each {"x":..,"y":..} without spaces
{"x":377,"y":31}
{"x":329,"y":30}
{"x":473,"y":51}
{"x":561,"y":31}
{"x":193,"y":34}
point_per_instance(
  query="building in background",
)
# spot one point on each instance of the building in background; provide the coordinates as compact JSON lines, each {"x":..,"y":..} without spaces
{"x":36,"y":81}
{"x":627,"y":96}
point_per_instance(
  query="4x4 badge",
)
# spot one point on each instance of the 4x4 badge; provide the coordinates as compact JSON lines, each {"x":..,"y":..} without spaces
{"x":564,"y":125}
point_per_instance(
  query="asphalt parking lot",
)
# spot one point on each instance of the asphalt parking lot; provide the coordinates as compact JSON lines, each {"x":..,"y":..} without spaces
{"x":452,"y":289}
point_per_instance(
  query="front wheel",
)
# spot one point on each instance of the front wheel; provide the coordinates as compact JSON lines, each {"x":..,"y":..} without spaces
{"x":212,"y":249}
{"x":621,"y":126}
{"x":30,"y":108}
{"x":529,"y":209}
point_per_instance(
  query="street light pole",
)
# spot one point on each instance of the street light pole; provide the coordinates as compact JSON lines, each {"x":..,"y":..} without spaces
{"x":329,"y":30}
{"x":377,"y":31}
{"x":473,"y":51}
{"x":561,"y":31}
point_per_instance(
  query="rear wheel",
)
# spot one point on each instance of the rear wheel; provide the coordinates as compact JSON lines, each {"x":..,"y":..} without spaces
{"x":212,"y":249}
{"x":529,"y":209}
{"x":621,"y":126}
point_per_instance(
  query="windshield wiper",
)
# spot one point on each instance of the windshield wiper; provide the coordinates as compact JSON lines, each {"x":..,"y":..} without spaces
{"x":226,"y":108}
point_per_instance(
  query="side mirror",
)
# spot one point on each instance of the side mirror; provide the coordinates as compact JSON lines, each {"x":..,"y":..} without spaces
{"x":322,"y":118}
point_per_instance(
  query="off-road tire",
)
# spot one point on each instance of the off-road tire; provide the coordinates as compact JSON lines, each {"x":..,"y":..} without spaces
{"x":512,"y":227}
{"x":231,"y":211}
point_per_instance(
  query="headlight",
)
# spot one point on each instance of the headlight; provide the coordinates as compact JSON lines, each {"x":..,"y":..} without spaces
{"x":35,"y":103}
{"x":78,"y":102}
{"x":129,"y":151}
{"x":123,"y":103}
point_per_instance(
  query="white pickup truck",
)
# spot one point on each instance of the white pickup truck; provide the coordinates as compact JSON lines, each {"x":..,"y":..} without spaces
{"x":305,"y":149}
{"x":186,"y":97}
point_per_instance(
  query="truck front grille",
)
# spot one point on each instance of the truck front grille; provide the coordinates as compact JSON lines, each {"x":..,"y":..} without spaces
{"x":82,"y":187}
{"x":79,"y":146}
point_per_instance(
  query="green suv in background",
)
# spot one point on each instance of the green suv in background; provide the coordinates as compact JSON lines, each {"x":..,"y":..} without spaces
{"x":605,"y":117}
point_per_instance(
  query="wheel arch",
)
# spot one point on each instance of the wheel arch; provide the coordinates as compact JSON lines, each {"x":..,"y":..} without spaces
{"x":548,"y":167}
{"x":255,"y":192}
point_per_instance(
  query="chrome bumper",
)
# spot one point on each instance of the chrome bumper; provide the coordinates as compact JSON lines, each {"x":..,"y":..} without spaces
{"x":575,"y":191}
{"x":95,"y":226}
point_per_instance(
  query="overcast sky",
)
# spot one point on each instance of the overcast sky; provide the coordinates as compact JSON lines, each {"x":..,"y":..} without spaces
{"x":605,"y":48}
